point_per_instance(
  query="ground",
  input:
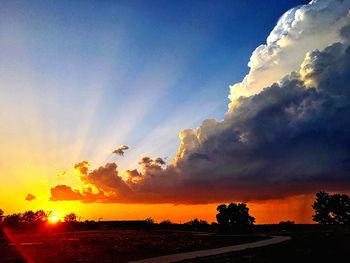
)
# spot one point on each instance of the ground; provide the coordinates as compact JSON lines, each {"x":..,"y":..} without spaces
{"x":106,"y":245}
{"x":320,"y":245}
{"x":308,"y":244}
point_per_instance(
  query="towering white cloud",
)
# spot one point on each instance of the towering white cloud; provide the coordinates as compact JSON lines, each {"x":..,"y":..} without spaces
{"x":300,"y":30}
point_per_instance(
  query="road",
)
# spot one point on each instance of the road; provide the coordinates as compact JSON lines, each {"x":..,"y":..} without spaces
{"x":215,"y":251}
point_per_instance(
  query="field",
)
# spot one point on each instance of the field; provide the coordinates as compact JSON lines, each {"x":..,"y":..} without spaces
{"x":317,"y":244}
{"x":113,"y":245}
{"x":308,"y":244}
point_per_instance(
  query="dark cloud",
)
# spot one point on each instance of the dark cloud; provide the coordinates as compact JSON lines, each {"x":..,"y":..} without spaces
{"x":345,"y":32}
{"x":159,"y":161}
{"x":121,"y":150}
{"x":133,"y":173}
{"x":148,"y":163}
{"x":291,"y":138}
{"x":30,"y":197}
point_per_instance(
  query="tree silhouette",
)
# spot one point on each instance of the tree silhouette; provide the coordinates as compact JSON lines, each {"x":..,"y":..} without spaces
{"x":13,"y":219}
{"x":331,"y":209}
{"x":71,"y":217}
{"x":28,"y":217}
{"x":166,"y":222}
{"x":1,"y":215}
{"x":234,"y":216}
{"x":41,"y":216}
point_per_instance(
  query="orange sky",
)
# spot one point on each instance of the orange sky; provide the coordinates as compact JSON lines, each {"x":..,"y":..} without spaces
{"x":37,"y":177}
{"x":296,"y":208}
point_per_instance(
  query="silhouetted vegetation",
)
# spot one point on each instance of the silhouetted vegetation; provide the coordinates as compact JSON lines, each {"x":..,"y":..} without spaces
{"x":286,"y":223}
{"x":331,"y":209}
{"x":71,"y":217}
{"x":234,"y":217}
{"x":165,"y":223}
{"x":149,"y":220}
{"x":13,"y":219}
{"x":197,"y":224}
{"x":28,"y":217}
{"x":1,"y":215}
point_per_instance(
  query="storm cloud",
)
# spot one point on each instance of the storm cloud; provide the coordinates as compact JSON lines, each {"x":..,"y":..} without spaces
{"x":280,"y":137}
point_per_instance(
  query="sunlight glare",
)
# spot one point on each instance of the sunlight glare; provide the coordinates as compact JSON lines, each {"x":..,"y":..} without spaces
{"x":53,"y":219}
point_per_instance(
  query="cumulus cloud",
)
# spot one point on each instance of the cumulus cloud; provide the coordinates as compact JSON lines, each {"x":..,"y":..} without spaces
{"x":121,"y":150}
{"x":300,"y":30}
{"x":30,"y":197}
{"x":289,"y":134}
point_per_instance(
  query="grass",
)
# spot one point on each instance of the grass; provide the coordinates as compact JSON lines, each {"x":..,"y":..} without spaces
{"x":114,"y":245}
{"x":318,"y":245}
{"x":308,"y":244}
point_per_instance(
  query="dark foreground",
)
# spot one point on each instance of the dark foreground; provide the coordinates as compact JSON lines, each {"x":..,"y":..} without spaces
{"x":106,"y":245}
{"x":323,"y":244}
{"x":308,"y":244}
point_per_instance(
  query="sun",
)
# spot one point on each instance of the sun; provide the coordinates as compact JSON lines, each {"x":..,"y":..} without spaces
{"x":53,"y":219}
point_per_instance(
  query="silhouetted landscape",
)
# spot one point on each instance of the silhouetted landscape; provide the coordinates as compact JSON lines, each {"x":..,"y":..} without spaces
{"x":32,"y":237}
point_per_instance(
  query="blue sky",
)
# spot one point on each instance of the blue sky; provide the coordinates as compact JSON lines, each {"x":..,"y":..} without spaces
{"x":82,"y":77}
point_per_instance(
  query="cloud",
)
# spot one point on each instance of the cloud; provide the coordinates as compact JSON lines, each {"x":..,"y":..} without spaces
{"x":149,"y":163}
{"x":82,"y":167}
{"x":106,"y":178}
{"x":289,"y":134}
{"x":133,"y":173}
{"x":66,"y":193}
{"x":121,"y":150}
{"x":300,"y":30}
{"x":30,"y":197}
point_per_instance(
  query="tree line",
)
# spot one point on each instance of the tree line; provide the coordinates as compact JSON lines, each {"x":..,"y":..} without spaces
{"x":31,"y":217}
{"x":329,"y":209}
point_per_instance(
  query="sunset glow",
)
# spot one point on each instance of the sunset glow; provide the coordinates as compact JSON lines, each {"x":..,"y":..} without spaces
{"x":53,"y":219}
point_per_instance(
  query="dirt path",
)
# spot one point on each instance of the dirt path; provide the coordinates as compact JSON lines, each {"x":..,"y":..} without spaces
{"x":210,"y":252}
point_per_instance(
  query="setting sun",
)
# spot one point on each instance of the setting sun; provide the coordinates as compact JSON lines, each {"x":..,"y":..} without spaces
{"x":53,"y":219}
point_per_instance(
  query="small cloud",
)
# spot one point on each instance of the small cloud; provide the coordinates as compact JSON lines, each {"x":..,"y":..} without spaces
{"x":121,"y":150}
{"x":62,"y":174}
{"x":149,"y":163}
{"x":82,"y":167}
{"x":159,"y":161}
{"x":30,"y":197}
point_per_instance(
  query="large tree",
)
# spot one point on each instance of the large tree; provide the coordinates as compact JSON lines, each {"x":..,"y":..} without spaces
{"x":331,"y":209}
{"x":234,"y":216}
{"x":71,"y":217}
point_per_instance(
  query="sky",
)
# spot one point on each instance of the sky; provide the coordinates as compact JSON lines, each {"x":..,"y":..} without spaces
{"x":165,"y":78}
